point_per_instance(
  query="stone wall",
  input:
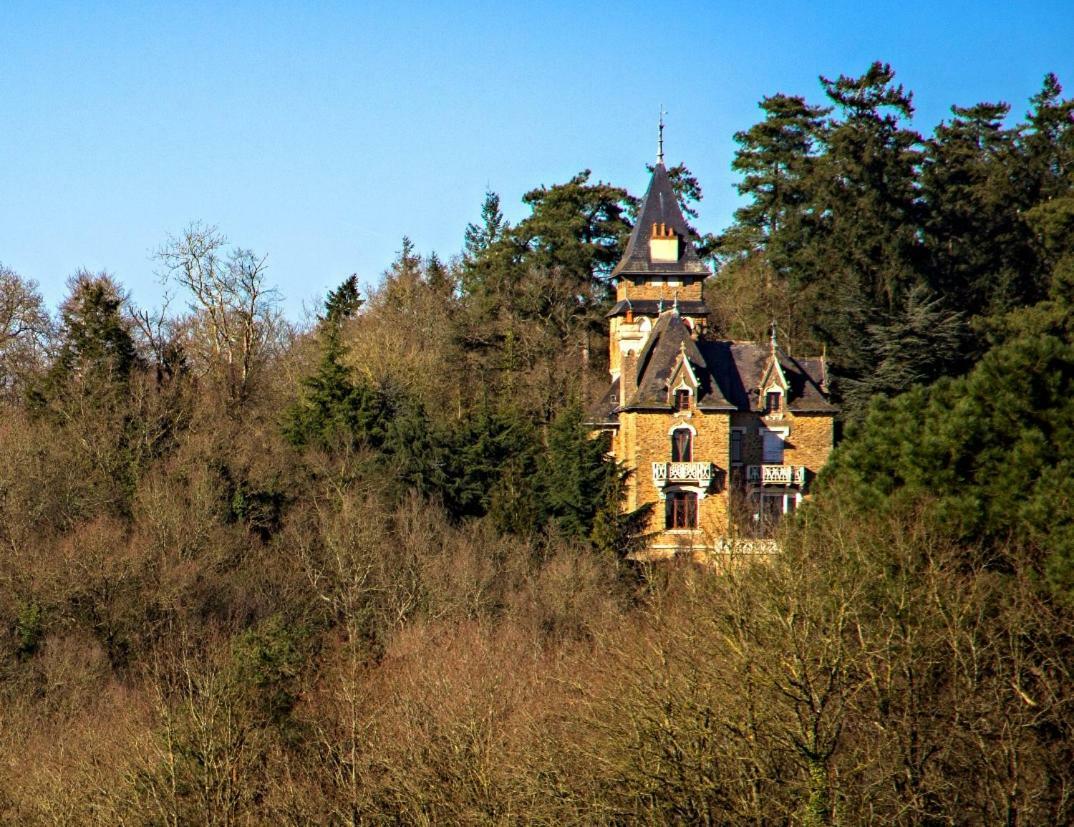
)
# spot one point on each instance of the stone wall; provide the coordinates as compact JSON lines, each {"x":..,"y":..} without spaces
{"x":650,"y":434}
{"x":626,"y":289}
{"x":808,"y":442}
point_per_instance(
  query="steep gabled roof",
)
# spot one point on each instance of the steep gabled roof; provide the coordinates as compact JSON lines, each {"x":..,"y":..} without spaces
{"x":741,"y":368}
{"x":661,"y":207}
{"x":669,"y":338}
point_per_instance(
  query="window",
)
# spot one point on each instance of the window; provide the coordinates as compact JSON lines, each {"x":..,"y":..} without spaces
{"x":772,"y":452}
{"x":736,"y":446}
{"x":773,"y":402}
{"x":682,"y":445}
{"x":771,"y":507}
{"x":681,"y":510}
{"x":682,"y":399}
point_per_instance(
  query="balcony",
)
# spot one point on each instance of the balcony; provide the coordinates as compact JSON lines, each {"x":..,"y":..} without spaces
{"x":776,"y":475}
{"x":683,"y":473}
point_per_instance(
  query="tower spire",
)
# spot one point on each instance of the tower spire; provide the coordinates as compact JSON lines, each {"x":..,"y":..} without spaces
{"x":660,"y":137}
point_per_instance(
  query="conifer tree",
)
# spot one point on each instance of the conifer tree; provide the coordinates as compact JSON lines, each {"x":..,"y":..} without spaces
{"x":576,"y":474}
{"x":334,"y":411}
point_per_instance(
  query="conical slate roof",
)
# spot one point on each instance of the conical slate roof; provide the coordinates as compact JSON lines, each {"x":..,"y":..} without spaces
{"x":660,"y":207}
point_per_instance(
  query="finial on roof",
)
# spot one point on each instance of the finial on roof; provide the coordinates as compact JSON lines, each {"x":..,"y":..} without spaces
{"x":660,"y":137}
{"x":675,"y":306}
{"x":773,"y":337}
{"x":660,"y":305}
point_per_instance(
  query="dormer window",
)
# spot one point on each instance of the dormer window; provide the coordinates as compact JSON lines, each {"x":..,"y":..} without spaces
{"x":682,"y":399}
{"x":663,"y":243}
{"x":773,"y":402}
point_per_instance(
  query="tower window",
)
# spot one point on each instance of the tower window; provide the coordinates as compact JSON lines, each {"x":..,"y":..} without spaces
{"x":681,"y":510}
{"x":682,"y":448}
{"x":773,"y":402}
{"x":682,"y":399}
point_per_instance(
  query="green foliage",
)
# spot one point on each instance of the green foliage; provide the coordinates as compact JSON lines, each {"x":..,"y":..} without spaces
{"x":267,"y":664}
{"x":333,"y":408}
{"x":988,"y":455}
{"x":918,"y":344}
{"x":29,"y":627}
{"x":576,"y":474}
{"x":853,"y":214}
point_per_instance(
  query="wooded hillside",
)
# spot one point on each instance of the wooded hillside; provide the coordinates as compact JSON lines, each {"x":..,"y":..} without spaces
{"x":372,"y":568}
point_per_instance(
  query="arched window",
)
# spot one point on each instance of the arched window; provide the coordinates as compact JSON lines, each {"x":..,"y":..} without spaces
{"x":682,"y":399}
{"x":682,"y":445}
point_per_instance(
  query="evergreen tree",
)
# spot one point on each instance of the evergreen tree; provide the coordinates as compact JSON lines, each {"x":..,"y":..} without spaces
{"x":96,"y":346}
{"x":480,"y":237}
{"x":979,"y":247}
{"x":987,"y":458}
{"x":334,"y":411}
{"x":917,"y":345}
{"x":776,"y":160}
{"x":576,"y":475}
{"x":1047,"y":143}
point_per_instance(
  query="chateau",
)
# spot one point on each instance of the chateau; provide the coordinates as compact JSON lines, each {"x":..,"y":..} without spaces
{"x":722,"y":437}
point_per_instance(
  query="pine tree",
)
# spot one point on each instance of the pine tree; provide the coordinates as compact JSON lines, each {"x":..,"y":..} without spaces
{"x":775,"y":158}
{"x":480,"y":237}
{"x":334,"y":411}
{"x":576,"y":474}
{"x":979,"y":248}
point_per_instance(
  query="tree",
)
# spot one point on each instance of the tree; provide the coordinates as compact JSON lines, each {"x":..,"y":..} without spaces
{"x":776,"y":159}
{"x":235,"y":326}
{"x":334,"y":411}
{"x":480,"y":237}
{"x":984,"y":456}
{"x":576,"y":474}
{"x":25,"y":330}
{"x":918,"y":344}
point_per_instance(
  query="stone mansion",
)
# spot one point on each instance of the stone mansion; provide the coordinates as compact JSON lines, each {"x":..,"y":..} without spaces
{"x":722,"y":437}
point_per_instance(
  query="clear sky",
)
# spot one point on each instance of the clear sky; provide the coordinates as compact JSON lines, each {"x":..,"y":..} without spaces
{"x":320,"y":133}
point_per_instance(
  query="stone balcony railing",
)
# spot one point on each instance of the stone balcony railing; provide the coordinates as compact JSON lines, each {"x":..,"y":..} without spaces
{"x":776,"y":474}
{"x":683,"y":473}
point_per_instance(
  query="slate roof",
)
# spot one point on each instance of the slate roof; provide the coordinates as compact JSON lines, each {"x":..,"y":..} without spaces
{"x":659,"y":206}
{"x":658,"y":359}
{"x":729,"y":374}
{"x":654,"y":307}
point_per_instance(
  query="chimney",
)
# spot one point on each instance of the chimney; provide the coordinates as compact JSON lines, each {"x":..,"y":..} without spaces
{"x":628,"y":377}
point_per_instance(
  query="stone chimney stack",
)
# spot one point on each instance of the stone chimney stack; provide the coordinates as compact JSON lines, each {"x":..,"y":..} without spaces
{"x":628,"y":377}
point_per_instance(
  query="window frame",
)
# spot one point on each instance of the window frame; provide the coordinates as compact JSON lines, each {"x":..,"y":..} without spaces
{"x":682,"y":399}
{"x":677,"y":454}
{"x":738,"y":439}
{"x":681,"y":511}
{"x":765,"y":455}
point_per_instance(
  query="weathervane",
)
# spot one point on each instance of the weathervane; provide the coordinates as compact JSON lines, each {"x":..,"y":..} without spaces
{"x":660,"y":139}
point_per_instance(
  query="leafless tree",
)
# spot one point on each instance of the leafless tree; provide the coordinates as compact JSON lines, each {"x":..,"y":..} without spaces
{"x":236,"y":323}
{"x":25,"y":329}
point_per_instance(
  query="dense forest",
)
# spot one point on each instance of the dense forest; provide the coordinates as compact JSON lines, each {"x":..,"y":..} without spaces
{"x":372,"y":568}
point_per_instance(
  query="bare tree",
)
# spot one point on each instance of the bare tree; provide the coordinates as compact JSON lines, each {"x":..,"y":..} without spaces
{"x":236,"y":324}
{"x":25,"y":330}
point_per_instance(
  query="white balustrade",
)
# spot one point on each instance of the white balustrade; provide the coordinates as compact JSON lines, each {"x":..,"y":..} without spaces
{"x":776,"y":474}
{"x":683,"y":473}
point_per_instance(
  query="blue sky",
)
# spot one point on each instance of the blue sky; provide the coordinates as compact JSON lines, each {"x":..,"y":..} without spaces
{"x":319,"y":133}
